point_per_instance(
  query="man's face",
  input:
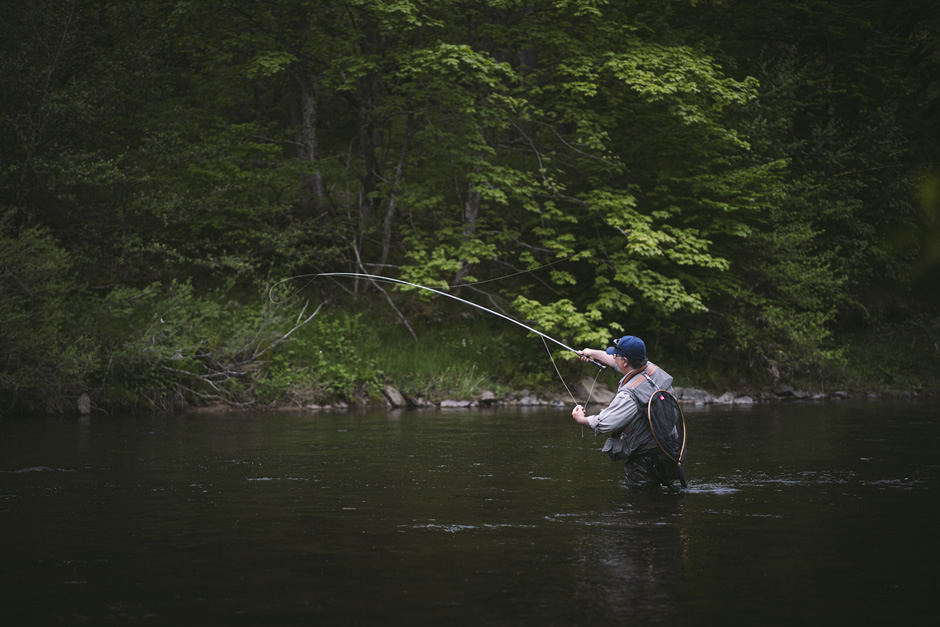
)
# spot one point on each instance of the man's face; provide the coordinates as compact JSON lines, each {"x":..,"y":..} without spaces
{"x":623,"y":366}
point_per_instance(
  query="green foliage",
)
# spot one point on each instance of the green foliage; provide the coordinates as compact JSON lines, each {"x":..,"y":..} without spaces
{"x":325,"y":361}
{"x":166,"y":346}
{"x":562,"y":318}
{"x":269,"y":63}
{"x":43,"y":358}
{"x":458,"y":355}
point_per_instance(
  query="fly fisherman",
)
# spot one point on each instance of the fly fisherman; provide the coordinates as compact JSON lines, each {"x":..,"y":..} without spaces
{"x":625,"y":420}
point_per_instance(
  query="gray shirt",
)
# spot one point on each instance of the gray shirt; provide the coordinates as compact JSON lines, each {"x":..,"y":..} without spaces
{"x":624,"y":419}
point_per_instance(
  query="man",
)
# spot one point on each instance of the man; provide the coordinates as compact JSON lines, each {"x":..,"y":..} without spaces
{"x":625,"y":419}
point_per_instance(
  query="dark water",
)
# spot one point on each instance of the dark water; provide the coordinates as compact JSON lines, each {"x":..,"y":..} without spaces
{"x":796,"y":513}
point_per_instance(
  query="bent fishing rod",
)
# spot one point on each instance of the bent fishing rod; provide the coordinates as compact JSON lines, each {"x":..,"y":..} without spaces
{"x":377,"y":277}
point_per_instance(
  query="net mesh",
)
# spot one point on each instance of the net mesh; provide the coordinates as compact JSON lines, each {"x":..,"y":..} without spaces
{"x":668,"y":426}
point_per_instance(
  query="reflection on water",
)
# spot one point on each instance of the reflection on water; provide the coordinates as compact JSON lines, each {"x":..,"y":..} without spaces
{"x":810,"y":513}
{"x":628,"y":561}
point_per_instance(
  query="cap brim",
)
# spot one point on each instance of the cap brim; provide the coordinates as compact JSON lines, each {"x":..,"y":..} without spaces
{"x":612,"y":350}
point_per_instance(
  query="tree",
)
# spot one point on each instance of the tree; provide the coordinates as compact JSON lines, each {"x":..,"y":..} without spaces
{"x":42,"y":359}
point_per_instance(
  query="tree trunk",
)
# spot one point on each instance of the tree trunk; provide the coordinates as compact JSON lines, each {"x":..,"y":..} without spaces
{"x":367,"y":152}
{"x":313,"y":195}
{"x":471,"y":212}
{"x":393,"y":195}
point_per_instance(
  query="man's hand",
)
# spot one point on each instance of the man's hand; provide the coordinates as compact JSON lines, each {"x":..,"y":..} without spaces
{"x":578,"y":414}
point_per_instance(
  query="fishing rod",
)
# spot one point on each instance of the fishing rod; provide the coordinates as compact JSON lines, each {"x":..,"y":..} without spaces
{"x":376,"y":277}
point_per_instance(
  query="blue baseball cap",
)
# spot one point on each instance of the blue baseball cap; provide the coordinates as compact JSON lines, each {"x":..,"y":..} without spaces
{"x":629,"y":346}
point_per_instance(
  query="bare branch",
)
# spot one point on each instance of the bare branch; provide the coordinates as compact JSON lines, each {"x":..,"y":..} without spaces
{"x":388,"y":298}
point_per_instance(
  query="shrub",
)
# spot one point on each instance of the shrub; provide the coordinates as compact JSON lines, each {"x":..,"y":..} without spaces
{"x":43,"y":358}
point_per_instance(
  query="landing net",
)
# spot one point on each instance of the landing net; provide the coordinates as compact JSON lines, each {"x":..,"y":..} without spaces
{"x":668,"y":426}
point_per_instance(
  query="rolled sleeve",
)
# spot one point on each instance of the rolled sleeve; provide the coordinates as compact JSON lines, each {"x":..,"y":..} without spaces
{"x":615,"y":416}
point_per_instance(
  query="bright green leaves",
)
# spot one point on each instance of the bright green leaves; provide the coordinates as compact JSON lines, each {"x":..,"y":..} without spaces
{"x":459,"y":62}
{"x":392,"y":15}
{"x":658,"y":73}
{"x":444,"y":255}
{"x":269,"y":63}
{"x":581,"y":8}
{"x":457,"y":77}
{"x":646,"y":242}
{"x":563,"y":319}
{"x":610,"y":296}
{"x":688,"y":248}
{"x":653,"y":293}
{"x":666,"y":294}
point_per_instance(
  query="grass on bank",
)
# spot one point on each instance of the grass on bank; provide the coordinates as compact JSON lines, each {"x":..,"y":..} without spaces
{"x":350,"y":357}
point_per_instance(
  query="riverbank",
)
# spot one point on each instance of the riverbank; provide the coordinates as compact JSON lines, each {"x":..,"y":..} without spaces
{"x":595,"y":393}
{"x":602,"y":395}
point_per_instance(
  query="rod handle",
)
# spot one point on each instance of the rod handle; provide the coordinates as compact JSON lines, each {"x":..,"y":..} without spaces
{"x":593,"y":361}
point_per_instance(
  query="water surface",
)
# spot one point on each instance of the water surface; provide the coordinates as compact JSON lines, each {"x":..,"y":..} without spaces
{"x":801,"y":512}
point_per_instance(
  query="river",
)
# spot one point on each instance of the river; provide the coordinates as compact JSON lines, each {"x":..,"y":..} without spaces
{"x":796,"y":513}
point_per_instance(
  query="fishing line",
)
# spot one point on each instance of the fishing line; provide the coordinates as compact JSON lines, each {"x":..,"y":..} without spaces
{"x":449,"y":286}
{"x":573,"y":399}
{"x":512,"y":274}
{"x":558,"y":372}
{"x":376,"y":277}
{"x":590,"y":394}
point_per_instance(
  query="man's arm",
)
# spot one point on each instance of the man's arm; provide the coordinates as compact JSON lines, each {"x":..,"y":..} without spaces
{"x":597,"y":355}
{"x":611,"y":419}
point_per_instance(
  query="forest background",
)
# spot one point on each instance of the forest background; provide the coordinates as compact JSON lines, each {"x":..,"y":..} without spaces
{"x":751,"y":186}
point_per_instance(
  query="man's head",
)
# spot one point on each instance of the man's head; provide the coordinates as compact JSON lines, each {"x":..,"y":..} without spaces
{"x":631,"y":348}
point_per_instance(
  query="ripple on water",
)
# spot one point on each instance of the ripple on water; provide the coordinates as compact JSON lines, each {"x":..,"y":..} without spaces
{"x":710,"y":488}
{"x":894,"y":484}
{"x":738,"y":482}
{"x":458,"y":527}
{"x":281,"y":479}
{"x":20,"y":471}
